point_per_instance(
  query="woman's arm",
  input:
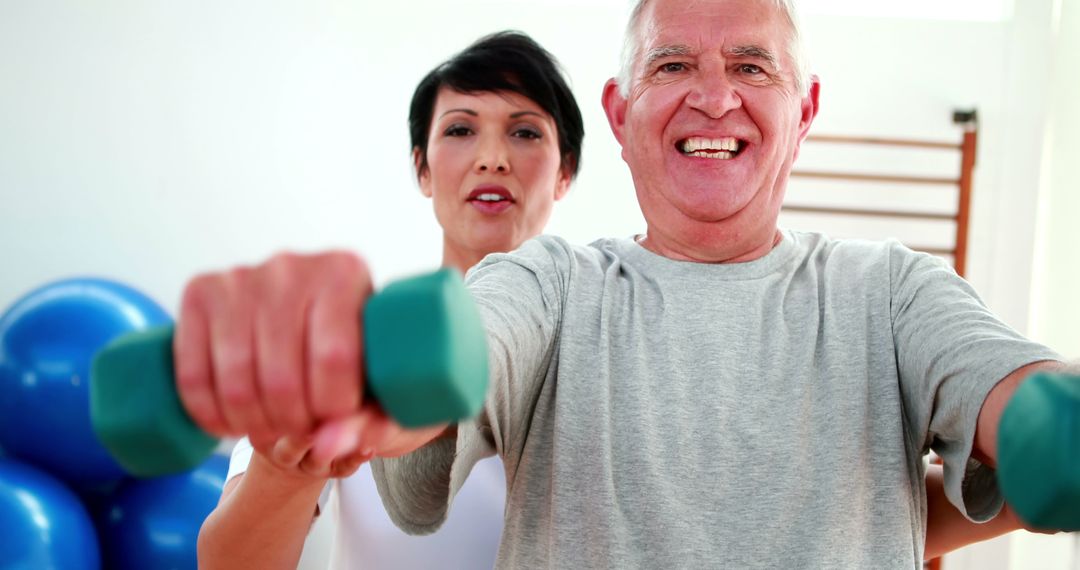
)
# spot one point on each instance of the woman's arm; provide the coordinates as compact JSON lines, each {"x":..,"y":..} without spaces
{"x":265,"y":514}
{"x":948,"y":529}
{"x":262,"y":519}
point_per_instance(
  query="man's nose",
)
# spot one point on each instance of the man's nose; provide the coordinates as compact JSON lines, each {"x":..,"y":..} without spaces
{"x":714,"y":94}
{"x":491,"y":155}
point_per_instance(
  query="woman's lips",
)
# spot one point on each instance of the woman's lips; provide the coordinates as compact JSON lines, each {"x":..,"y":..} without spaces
{"x":490,"y":199}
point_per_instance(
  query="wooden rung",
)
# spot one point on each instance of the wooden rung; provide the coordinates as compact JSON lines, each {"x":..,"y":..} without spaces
{"x":876,"y":178}
{"x":883,"y":141}
{"x":878,"y":213}
{"x":933,"y":250}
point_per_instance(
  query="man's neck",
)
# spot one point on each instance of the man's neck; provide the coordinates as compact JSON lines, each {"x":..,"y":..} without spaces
{"x":711,"y":250}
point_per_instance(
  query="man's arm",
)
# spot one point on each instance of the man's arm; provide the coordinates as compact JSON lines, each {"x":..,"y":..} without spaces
{"x":986,"y":431}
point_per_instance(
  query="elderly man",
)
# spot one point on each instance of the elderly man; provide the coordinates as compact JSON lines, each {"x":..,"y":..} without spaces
{"x":717,"y":392}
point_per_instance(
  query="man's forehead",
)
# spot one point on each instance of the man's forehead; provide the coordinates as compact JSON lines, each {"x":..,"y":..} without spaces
{"x":702,"y":24}
{"x":746,"y":28}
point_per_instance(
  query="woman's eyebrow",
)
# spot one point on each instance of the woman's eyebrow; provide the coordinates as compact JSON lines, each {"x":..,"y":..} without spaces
{"x":523,"y":113}
{"x":466,"y":111}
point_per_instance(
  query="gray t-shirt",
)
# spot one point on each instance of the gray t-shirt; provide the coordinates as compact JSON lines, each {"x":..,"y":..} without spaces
{"x":662,"y":414}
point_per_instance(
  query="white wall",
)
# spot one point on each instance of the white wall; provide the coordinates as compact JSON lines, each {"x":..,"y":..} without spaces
{"x":151,"y":140}
{"x":148,"y":140}
{"x":1056,"y":313}
{"x":1055,"y":317}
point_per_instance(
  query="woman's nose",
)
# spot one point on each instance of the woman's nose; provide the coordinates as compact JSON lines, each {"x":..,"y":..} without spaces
{"x":492,"y":156}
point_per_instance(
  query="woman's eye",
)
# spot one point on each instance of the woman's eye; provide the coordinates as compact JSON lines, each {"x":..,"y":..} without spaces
{"x":457,"y":131}
{"x":672,"y":67}
{"x":527,"y":133}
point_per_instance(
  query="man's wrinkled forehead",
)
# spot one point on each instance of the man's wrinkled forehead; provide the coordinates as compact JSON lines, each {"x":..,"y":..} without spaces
{"x":695,"y":26}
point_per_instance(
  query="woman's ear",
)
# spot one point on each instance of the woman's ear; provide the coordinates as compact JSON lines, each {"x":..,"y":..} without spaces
{"x":566,"y":176}
{"x":423,"y":174}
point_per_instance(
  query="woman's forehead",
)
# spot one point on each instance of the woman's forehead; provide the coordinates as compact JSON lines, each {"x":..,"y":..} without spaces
{"x":497,"y":103}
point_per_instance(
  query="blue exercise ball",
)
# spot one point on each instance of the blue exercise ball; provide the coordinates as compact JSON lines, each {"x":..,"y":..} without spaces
{"x":47,"y":341}
{"x":154,"y":523}
{"x":42,"y":523}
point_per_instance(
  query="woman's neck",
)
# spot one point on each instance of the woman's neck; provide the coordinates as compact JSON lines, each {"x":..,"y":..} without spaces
{"x":459,"y":258}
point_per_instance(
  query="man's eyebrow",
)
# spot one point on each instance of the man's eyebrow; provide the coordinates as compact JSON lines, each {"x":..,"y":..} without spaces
{"x":661,"y":52}
{"x":756,"y":52}
{"x":466,"y":111}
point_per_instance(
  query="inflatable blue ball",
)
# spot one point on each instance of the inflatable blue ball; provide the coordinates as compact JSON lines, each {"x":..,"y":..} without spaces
{"x":42,"y":522}
{"x":154,"y":523}
{"x":47,"y":341}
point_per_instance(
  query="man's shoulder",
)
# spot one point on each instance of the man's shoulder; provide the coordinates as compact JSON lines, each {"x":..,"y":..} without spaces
{"x":860,"y":251}
{"x":553,"y":255}
{"x":859,"y":264}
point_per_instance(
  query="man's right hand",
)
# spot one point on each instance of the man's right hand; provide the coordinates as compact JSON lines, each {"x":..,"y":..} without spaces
{"x":274,"y":352}
{"x":274,"y":349}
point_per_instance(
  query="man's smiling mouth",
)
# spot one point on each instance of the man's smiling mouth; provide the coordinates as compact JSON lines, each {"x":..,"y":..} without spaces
{"x":700,"y":147}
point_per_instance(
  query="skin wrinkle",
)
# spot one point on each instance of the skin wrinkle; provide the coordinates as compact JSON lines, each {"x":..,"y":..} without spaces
{"x":793,"y":49}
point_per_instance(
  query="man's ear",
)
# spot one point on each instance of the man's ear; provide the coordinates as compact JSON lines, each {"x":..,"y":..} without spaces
{"x":615,"y":108}
{"x":423,"y":174}
{"x":808,"y":110}
{"x":809,"y":106}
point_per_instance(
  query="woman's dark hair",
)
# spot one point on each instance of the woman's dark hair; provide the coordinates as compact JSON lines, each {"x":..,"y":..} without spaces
{"x":504,"y":61}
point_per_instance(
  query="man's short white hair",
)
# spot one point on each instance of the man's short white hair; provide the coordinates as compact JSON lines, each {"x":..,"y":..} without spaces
{"x":632,"y":45}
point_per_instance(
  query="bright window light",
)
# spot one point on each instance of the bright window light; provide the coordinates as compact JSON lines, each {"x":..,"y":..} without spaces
{"x":966,"y":10}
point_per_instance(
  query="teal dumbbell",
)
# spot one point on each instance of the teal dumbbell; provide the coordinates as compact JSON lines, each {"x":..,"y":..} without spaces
{"x":1039,"y":451}
{"x":425,"y":363}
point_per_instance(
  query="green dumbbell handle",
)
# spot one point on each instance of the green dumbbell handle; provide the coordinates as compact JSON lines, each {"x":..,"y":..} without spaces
{"x":425,"y":363}
{"x":1039,"y":451}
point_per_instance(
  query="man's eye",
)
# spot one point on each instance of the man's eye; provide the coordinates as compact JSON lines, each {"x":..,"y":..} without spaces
{"x":672,"y":67}
{"x":457,"y":131}
{"x":751,"y":69}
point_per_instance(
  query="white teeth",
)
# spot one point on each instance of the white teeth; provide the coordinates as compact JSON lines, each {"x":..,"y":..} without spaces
{"x":723,"y":148}
{"x":719,"y":154}
{"x":490,"y":198}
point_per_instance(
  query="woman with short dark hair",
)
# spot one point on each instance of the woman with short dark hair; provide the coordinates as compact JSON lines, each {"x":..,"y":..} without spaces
{"x":496,"y":139}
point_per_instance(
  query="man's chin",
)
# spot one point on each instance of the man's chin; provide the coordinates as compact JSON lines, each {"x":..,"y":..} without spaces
{"x":711,"y":204}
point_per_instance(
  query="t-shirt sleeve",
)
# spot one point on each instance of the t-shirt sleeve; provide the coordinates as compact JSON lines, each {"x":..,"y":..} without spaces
{"x":950,"y":352}
{"x":520,"y":297}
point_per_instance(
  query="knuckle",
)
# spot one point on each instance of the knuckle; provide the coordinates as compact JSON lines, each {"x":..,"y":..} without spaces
{"x":239,"y":277}
{"x":198,"y":290}
{"x":336,"y":357}
{"x":235,"y":361}
{"x":285,"y":392}
{"x":237,"y":395}
{"x":344,"y":267}
{"x":283,"y":259}
{"x":190,"y":381}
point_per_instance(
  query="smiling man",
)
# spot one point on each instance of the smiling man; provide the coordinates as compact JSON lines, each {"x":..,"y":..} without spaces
{"x":710,"y":113}
{"x":718,"y":392}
